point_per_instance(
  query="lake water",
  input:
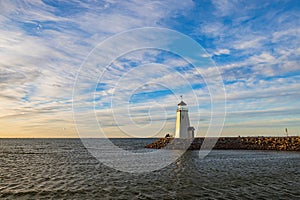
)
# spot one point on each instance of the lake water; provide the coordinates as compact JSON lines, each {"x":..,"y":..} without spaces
{"x":64,"y":169}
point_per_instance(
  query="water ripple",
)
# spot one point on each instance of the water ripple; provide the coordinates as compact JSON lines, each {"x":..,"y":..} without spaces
{"x":63,"y":169}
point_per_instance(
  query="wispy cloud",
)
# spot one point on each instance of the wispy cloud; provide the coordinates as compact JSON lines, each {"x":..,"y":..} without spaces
{"x":43,"y":43}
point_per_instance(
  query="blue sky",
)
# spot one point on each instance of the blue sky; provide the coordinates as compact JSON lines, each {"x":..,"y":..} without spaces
{"x":254,"y":44}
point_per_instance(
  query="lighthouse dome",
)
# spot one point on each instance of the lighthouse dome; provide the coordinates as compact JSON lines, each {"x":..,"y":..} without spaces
{"x":181,"y":103}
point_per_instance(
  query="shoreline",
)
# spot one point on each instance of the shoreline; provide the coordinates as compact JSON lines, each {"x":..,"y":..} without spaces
{"x":288,"y":143}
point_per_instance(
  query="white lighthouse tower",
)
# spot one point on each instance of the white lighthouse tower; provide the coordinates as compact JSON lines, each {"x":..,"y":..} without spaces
{"x":183,"y":128}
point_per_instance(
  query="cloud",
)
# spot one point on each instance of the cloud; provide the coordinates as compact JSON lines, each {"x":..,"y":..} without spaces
{"x":222,"y":51}
{"x":224,"y":7}
{"x":280,"y":35}
{"x":247,"y":43}
{"x":42,"y":44}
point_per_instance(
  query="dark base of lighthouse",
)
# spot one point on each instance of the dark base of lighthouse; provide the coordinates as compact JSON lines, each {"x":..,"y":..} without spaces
{"x":229,"y":143}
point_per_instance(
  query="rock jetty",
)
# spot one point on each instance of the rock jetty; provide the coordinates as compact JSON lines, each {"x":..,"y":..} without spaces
{"x":231,"y":143}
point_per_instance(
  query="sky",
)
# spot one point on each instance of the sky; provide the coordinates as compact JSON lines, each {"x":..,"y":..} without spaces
{"x":51,"y":53}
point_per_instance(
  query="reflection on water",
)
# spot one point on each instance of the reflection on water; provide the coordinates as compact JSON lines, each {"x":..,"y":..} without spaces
{"x":134,"y":160}
{"x":63,"y":168}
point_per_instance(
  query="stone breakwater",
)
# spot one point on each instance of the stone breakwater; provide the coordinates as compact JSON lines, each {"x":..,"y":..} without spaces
{"x":230,"y":143}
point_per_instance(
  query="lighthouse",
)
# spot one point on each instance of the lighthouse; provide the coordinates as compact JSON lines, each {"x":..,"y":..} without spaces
{"x":183,"y":128}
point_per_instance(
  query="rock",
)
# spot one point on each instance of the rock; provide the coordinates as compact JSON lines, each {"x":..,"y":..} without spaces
{"x":247,"y":143}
